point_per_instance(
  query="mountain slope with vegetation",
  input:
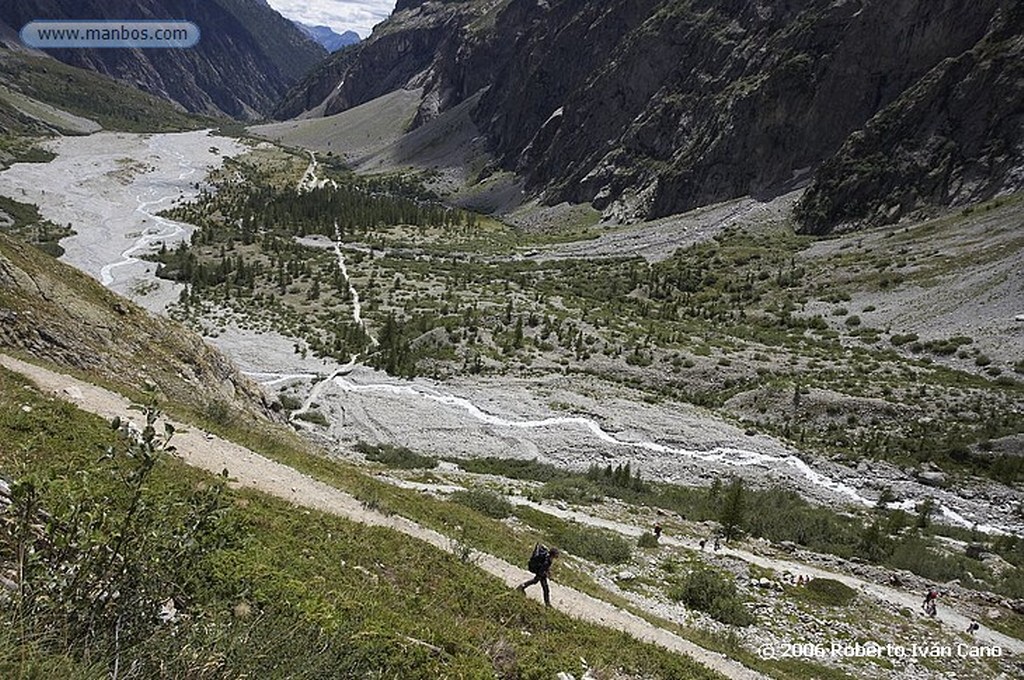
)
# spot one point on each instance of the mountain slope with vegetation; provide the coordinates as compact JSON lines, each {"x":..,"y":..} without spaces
{"x":60,"y":315}
{"x":212,"y":582}
{"x":98,"y":100}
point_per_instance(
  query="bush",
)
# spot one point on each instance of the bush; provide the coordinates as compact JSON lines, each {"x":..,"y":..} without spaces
{"x":486,"y":502}
{"x":289,"y":402}
{"x":95,"y":568}
{"x":512,"y":468}
{"x":827,"y":592}
{"x":914,"y":554}
{"x":578,"y":490}
{"x":218,"y":412}
{"x":711,"y":592}
{"x":899,"y":339}
{"x":398,"y":457}
{"x":315,"y":417}
{"x":648,"y":540}
{"x":592,"y":544}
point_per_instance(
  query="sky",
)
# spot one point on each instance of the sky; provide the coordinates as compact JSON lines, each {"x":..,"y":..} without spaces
{"x":340,"y":15}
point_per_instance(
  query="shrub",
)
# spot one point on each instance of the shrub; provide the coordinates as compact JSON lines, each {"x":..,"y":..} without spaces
{"x":900,"y":339}
{"x":913,"y":554}
{"x":289,"y":402}
{"x":486,"y":502}
{"x":96,"y":566}
{"x":827,"y":592}
{"x":648,"y":540}
{"x":577,"y":490}
{"x":218,"y":412}
{"x":512,"y":468}
{"x":315,"y":417}
{"x":592,"y":544}
{"x":398,"y":457}
{"x":711,"y":592}
{"x":638,"y":358}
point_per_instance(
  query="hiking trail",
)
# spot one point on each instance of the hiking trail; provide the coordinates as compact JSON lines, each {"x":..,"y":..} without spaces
{"x":248,"y":469}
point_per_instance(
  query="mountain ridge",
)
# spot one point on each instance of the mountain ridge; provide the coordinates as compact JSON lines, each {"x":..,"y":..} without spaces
{"x":646,"y":108}
{"x":247,"y":56}
{"x":327,"y":38}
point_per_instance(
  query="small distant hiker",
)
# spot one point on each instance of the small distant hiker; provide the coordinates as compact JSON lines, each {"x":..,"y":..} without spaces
{"x":703,"y":542}
{"x":973,"y":628}
{"x":657,"y":530}
{"x":717,"y":543}
{"x":929,"y":602}
{"x":540,"y":565}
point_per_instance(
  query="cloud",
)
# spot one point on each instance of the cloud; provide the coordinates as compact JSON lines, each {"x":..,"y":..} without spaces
{"x":341,"y":15}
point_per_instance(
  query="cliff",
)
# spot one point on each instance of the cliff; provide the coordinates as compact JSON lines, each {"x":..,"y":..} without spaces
{"x":646,"y":108}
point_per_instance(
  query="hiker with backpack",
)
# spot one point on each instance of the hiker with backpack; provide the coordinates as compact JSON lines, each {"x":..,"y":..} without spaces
{"x":929,"y":602}
{"x":540,"y":565}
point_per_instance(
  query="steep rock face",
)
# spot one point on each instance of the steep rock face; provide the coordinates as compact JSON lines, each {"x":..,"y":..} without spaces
{"x":246,"y":59}
{"x":651,"y":107}
{"x":955,"y":138}
{"x":703,"y":101}
{"x":311,"y":92}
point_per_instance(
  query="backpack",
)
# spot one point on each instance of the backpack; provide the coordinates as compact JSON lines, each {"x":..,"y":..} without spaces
{"x":538,"y":560}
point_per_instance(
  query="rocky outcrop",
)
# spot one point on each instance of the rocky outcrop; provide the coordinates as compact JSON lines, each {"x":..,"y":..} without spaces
{"x":246,"y":59}
{"x":651,"y":107}
{"x":955,"y":138}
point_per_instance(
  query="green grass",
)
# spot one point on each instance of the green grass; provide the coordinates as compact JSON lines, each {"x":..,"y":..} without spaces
{"x":713,"y":592}
{"x":486,"y":502}
{"x":312,"y":594}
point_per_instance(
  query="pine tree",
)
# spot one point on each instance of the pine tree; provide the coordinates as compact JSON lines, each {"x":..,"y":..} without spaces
{"x":733,"y":509}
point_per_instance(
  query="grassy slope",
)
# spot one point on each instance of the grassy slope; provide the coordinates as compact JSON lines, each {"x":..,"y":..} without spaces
{"x":327,"y":597}
{"x":113,"y":105}
{"x":63,"y":316}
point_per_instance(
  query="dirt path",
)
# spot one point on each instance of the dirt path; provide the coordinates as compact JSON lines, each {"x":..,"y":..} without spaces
{"x":948,"y":617}
{"x":251,"y":470}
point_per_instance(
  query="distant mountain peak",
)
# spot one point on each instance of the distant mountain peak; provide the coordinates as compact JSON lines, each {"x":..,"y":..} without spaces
{"x":327,"y":38}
